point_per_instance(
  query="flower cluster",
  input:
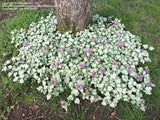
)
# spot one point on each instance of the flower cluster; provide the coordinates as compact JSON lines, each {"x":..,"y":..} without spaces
{"x":100,"y":63}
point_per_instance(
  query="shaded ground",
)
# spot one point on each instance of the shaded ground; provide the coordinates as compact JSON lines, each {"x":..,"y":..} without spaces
{"x":5,"y":15}
{"x":153,"y":114}
{"x":23,"y":111}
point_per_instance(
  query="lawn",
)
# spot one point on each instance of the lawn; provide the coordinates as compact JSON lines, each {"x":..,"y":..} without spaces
{"x":140,"y":17}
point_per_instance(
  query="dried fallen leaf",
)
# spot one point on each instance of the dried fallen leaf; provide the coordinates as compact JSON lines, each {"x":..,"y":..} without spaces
{"x":35,"y":107}
{"x":94,"y":117}
{"x":113,"y":114}
{"x":12,"y":107}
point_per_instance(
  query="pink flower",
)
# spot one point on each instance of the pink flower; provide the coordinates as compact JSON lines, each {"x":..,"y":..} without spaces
{"x":149,"y":83}
{"x":79,"y":86}
{"x":116,"y":34}
{"x":102,"y":70}
{"x":81,"y":65}
{"x":115,"y":23}
{"x":25,"y":44}
{"x":130,"y":70}
{"x":30,"y":26}
{"x":106,"y":43}
{"x":58,"y":63}
{"x":62,"y":103}
{"x":68,"y":51}
{"x":94,"y":74}
{"x":99,"y":61}
{"x":77,"y":77}
{"x":142,"y":50}
{"x":63,"y":48}
{"x":95,"y":39}
{"x":53,"y":24}
{"x":121,"y":43}
{"x":147,"y":70}
{"x":114,"y":63}
{"x":87,"y":95}
{"x":140,"y":78}
{"x":59,"y":50}
{"x":89,"y":52}
{"x":54,"y":82}
{"x":44,"y":48}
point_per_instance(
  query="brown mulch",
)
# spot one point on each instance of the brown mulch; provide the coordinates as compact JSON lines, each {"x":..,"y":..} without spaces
{"x":23,"y":111}
{"x":98,"y":112}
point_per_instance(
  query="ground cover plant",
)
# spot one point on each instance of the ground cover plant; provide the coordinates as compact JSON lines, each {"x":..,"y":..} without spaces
{"x":148,"y":31}
{"x":100,"y":63}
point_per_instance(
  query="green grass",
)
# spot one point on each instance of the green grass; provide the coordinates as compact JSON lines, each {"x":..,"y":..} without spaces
{"x":141,"y":17}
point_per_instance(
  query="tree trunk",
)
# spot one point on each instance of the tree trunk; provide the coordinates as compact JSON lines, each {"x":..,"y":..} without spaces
{"x":73,"y":15}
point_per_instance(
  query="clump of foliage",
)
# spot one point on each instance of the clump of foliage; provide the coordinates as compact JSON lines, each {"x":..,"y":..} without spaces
{"x":103,"y":62}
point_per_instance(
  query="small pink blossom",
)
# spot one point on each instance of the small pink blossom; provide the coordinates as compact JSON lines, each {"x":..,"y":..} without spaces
{"x":68,"y":51}
{"x":95,"y":39}
{"x":147,"y":70}
{"x":59,"y":50}
{"x":142,"y":50}
{"x":121,"y":43}
{"x":77,"y":78}
{"x":99,"y":61}
{"x":115,"y":23}
{"x":54,"y":82}
{"x":58,"y":63}
{"x":130,"y":70}
{"x":81,"y":65}
{"x":149,"y":83}
{"x":44,"y":48}
{"x":94,"y":74}
{"x":30,"y":26}
{"x":53,"y":24}
{"x":87,"y":95}
{"x":102,"y":70}
{"x":79,"y":86}
{"x":114,"y":63}
{"x":140,"y":78}
{"x":116,"y":34}
{"x":89,"y":52}
{"x":62,"y":103}
{"x":63,"y":48}
{"x":106,"y":43}
{"x":25,"y":44}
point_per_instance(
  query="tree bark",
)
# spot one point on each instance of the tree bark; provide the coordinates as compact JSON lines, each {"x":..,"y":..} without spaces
{"x":73,"y":15}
